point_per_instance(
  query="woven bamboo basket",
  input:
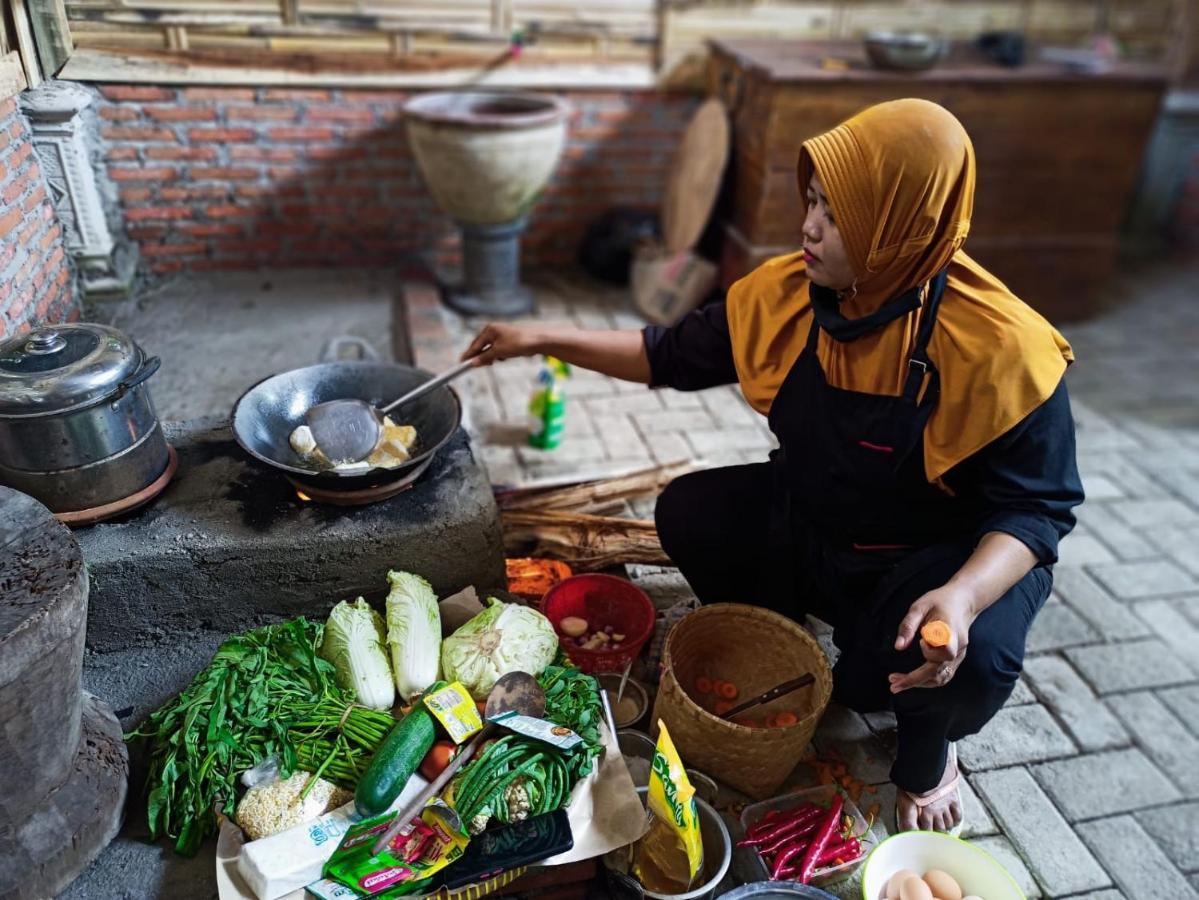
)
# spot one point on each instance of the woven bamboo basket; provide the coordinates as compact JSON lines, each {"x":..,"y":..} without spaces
{"x":756,"y":649}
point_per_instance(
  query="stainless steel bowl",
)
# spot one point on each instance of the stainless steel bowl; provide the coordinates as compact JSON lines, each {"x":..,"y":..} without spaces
{"x":909,"y":50}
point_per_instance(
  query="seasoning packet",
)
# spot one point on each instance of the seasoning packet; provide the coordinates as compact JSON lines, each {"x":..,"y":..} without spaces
{"x":425,"y":846}
{"x":455,"y":709}
{"x":539,"y":729}
{"x":671,"y":854}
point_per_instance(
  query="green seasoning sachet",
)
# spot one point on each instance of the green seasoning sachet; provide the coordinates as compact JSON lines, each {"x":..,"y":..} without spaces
{"x":429,"y":844}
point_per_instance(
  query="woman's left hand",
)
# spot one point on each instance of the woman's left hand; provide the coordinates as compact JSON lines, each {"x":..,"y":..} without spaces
{"x":955,"y":608}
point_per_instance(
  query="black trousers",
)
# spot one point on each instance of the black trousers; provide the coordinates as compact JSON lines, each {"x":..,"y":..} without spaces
{"x":714,"y":524}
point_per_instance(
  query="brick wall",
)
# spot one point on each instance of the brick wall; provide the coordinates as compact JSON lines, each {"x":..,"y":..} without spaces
{"x":216,"y":178}
{"x":35,"y":275}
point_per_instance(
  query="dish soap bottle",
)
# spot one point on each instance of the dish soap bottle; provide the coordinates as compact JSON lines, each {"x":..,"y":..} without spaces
{"x":547,"y":405}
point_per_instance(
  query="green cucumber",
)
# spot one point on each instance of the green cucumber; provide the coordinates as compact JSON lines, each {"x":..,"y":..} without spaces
{"x":397,"y":758}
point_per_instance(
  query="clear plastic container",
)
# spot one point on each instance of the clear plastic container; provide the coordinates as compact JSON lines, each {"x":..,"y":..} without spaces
{"x":822,"y":796}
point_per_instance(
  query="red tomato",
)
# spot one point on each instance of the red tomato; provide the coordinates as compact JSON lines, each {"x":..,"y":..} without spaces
{"x":437,"y":759}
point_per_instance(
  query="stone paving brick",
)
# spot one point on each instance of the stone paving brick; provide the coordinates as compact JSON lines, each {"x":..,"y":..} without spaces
{"x":1083,"y":549}
{"x":1056,"y":857}
{"x":1176,"y":830}
{"x":1182,"y":482}
{"x":643,"y":401}
{"x":976,"y":818}
{"x":1057,"y":626}
{"x":1184,"y":702}
{"x":572,"y":450}
{"x":1101,"y":487}
{"x":1137,"y":865}
{"x":674,"y":420}
{"x":1144,"y":513}
{"x":845,"y":734}
{"x":1150,"y":578}
{"x":728,"y":408}
{"x":1005,"y":854}
{"x":668,"y":447}
{"x":1085,"y":717}
{"x":1021,"y":695}
{"x":619,"y":436}
{"x":1017,"y":734}
{"x":1129,"y":667}
{"x":1163,"y":738}
{"x":1174,"y":628}
{"x":1106,"y":894}
{"x":1179,"y":543}
{"x":1091,"y":601}
{"x":1104,"y":784}
{"x":1125,"y":542}
{"x":1122,"y":469}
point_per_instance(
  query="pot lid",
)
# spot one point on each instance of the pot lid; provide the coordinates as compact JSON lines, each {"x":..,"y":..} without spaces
{"x":695,"y":177}
{"x":60,"y":367}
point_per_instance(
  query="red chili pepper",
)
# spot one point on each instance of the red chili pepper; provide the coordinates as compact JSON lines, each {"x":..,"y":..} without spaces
{"x":845,"y":851}
{"x":783,"y":830}
{"x":827,"y":827}
{"x":781,"y":862}
{"x":772,"y":822}
{"x":801,"y":836}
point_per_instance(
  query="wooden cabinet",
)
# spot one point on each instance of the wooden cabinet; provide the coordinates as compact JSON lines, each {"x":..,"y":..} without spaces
{"x":1058,"y":155}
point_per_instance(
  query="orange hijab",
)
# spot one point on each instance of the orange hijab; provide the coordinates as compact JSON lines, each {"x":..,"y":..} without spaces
{"x":900,"y":181}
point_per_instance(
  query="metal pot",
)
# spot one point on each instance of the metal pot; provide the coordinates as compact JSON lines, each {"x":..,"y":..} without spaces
{"x":77,"y":427}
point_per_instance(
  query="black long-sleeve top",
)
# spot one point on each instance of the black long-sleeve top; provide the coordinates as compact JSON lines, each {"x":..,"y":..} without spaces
{"x":1027,"y":479}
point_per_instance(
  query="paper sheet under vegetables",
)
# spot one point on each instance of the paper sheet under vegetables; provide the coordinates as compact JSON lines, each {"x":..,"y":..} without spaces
{"x":605,"y":813}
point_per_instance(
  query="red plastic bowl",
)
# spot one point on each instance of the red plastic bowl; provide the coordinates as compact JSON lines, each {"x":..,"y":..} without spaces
{"x":602,"y":600}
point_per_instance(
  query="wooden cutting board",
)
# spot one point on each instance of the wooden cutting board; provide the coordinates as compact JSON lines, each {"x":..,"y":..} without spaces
{"x":695,"y":177}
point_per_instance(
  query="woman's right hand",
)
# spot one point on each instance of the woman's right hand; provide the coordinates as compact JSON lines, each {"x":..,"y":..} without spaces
{"x":506,"y":341}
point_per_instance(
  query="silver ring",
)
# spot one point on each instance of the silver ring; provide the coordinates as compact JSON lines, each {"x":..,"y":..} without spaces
{"x":944,"y":672}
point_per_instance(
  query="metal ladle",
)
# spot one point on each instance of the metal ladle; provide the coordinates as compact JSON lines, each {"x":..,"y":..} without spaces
{"x":348,"y":431}
{"x":515,"y":691}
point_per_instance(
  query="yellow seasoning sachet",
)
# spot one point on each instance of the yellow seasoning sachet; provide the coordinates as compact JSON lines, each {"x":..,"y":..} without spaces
{"x":671,"y":854}
{"x":454,"y":708}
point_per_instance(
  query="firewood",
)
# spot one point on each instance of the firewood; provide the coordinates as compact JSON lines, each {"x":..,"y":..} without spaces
{"x":588,"y":543}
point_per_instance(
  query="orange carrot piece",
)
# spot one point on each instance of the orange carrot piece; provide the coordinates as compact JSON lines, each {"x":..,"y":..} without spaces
{"x":721,"y":707}
{"x":728,"y":690}
{"x":935,"y":633}
{"x":703,"y":684}
{"x":785,"y":719}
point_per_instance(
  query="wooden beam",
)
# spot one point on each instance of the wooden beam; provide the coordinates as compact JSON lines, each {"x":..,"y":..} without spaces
{"x":12,"y":75}
{"x":52,"y":33}
{"x":25,"y":43}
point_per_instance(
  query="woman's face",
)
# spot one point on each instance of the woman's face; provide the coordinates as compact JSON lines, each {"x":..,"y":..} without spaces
{"x":823,"y":250}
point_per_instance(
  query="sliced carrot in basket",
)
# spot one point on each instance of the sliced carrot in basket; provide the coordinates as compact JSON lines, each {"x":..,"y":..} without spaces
{"x":721,"y":707}
{"x":936,"y":633}
{"x":728,"y":690}
{"x":785,"y":719}
{"x":703,"y":684}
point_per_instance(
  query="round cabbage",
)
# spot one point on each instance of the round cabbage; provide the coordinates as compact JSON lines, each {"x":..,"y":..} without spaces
{"x":503,"y":638}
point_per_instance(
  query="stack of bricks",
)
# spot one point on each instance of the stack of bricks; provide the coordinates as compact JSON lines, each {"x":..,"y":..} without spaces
{"x":223,"y":178}
{"x":35,"y":275}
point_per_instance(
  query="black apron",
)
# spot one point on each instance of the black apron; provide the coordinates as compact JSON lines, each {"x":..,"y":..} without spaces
{"x":849,"y":472}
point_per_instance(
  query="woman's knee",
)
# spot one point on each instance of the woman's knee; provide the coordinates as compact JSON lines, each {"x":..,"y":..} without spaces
{"x":990,"y":663}
{"x":676,"y":506}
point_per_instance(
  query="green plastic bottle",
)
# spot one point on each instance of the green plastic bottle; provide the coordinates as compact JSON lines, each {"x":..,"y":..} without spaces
{"x":547,"y":405}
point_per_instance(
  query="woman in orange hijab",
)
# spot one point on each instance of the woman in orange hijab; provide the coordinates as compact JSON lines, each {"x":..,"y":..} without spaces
{"x":925,"y":469}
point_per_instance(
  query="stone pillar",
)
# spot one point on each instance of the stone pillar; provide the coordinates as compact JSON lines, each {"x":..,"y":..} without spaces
{"x":55,"y":110}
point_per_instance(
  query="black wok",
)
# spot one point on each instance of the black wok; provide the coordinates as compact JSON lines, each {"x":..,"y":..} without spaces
{"x":267,"y":413}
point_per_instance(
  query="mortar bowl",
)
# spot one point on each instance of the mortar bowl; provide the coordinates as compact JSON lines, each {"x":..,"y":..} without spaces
{"x":486,"y":155}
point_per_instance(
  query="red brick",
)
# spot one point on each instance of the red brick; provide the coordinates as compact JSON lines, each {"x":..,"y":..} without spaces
{"x":135,"y":92}
{"x":20,"y":303}
{"x":173,"y":153}
{"x":136,"y":133}
{"x":25,"y":238}
{"x":125,"y":173}
{"x":14,"y":190}
{"x":283,"y":173}
{"x":195,"y":192}
{"x":287,"y":228}
{"x":9,"y":221}
{"x":143,"y":213}
{"x":230,"y":95}
{"x":147,"y":232}
{"x":180,"y":113}
{"x":121,"y":153}
{"x":254,"y":191}
{"x":339,"y":114}
{"x":327,"y":153}
{"x":263,"y":113}
{"x":194,"y":248}
{"x":3,"y":172}
{"x":227,"y":212}
{"x":293,"y":95}
{"x":163,"y":266}
{"x":221,"y":135}
{"x":244,"y":246}
{"x":31,"y":202}
{"x":214,"y":173}
{"x":118,"y":113}
{"x":7,"y":107}
{"x":210,"y":229}
{"x":300,"y":134}
{"x":266,"y":154}
{"x":21,"y":153}
{"x":135,"y":195}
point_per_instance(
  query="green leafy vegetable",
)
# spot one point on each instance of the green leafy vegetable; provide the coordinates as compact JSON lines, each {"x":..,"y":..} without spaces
{"x":505,"y":637}
{"x":413,"y":633}
{"x":353,"y":642}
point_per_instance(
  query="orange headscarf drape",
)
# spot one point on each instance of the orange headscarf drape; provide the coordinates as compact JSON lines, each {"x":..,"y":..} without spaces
{"x":899,"y":178}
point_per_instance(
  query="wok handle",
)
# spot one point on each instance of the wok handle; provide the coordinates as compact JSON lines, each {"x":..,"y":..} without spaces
{"x":432,"y":384}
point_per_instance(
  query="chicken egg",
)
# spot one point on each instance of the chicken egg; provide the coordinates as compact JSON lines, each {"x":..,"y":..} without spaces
{"x":942,"y":885}
{"x":896,"y":881}
{"x":914,"y":888}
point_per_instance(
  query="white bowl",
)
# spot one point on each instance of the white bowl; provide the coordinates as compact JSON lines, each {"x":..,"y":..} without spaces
{"x":973,"y":868}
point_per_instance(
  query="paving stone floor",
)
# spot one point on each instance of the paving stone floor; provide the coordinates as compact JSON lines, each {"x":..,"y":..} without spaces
{"x":1087,"y":783}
